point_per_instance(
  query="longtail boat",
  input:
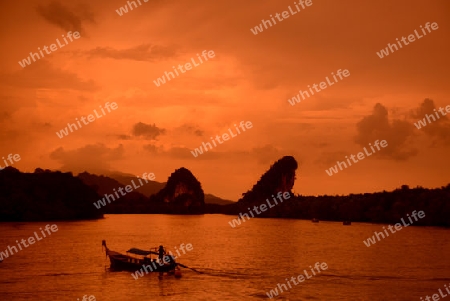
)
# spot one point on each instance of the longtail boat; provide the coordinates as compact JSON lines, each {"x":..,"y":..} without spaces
{"x":136,"y":258}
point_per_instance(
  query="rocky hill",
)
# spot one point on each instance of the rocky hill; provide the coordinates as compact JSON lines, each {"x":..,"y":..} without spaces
{"x":183,"y":193}
{"x":279,"y":178}
{"x":378,"y":207}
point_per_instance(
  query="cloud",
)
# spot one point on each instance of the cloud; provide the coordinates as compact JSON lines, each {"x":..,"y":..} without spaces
{"x":190,"y":129}
{"x":68,"y":19}
{"x":378,"y":127}
{"x":438,"y":130}
{"x":144,"y":52}
{"x":91,"y":157}
{"x":148,"y":131}
{"x":152,"y":148}
{"x":42,"y":75}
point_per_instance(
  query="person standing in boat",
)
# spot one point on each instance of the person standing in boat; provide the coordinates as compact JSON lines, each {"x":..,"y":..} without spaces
{"x":161,"y":253}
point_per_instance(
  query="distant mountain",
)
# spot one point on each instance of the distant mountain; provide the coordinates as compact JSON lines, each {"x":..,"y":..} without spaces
{"x":131,"y":202}
{"x":154,"y":187}
{"x":182,"y":194}
{"x":53,"y":195}
{"x":150,"y":188}
{"x":212,"y":199}
{"x":45,"y":195}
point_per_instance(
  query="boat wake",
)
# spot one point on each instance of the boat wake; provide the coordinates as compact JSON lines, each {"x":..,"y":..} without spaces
{"x":231,"y":274}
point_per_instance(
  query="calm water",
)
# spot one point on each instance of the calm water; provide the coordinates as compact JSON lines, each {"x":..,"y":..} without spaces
{"x":239,"y":263}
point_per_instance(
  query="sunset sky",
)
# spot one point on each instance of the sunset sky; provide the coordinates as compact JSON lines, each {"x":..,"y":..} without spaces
{"x":251,"y":78}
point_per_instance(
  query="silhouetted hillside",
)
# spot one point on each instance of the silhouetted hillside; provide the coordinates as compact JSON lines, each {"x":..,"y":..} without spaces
{"x":279,"y":178}
{"x":183,"y":193}
{"x":131,"y":202}
{"x":154,"y":187}
{"x":150,"y":188}
{"x":45,"y":195}
{"x":380,"y":207}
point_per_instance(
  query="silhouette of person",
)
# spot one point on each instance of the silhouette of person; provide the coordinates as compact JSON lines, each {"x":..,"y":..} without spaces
{"x":161,"y":253}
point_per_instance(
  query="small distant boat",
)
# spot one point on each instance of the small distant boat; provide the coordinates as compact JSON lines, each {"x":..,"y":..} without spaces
{"x":347,"y":223}
{"x":315,"y":220}
{"x":135,"y":258}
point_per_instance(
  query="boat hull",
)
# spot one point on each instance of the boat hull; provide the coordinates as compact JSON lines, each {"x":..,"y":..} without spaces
{"x":127,"y":263}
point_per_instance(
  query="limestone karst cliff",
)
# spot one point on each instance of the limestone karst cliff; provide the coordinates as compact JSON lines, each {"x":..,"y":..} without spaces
{"x":183,"y":192}
{"x":279,"y":178}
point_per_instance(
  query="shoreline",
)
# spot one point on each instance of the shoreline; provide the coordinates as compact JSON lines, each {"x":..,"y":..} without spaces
{"x":325,"y":221}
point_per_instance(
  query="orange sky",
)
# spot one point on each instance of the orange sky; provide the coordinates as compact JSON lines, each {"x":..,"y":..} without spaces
{"x":249,"y":79}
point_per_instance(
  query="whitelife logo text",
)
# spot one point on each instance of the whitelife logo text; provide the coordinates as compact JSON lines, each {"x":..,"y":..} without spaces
{"x":31,"y":240}
{"x":12,"y":158}
{"x":90,"y":118}
{"x":360,"y":156}
{"x":225,"y":137}
{"x":411,"y":38}
{"x":371,"y":240}
{"x":285,"y":14}
{"x":128,"y":189}
{"x":323,"y":85}
{"x":162,"y":80}
{"x":27,"y":61}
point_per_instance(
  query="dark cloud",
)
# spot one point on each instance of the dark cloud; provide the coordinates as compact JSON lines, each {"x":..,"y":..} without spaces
{"x":147,"y":131}
{"x":68,"y":19}
{"x":191,"y":129}
{"x":151,"y":148}
{"x":91,"y":157}
{"x":438,"y":128}
{"x":144,"y":52}
{"x":397,"y":133}
{"x":198,"y":133}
